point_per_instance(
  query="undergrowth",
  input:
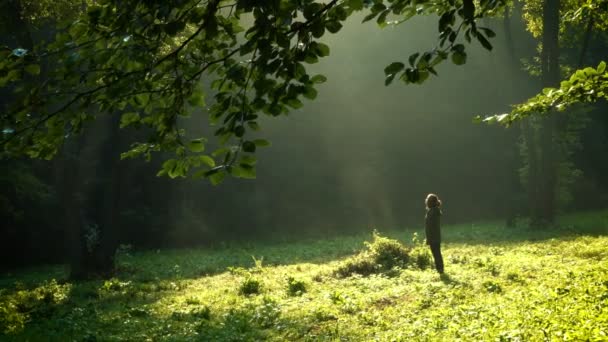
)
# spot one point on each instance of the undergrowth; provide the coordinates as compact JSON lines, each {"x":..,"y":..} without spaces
{"x":380,"y":255}
{"x":500,"y":285}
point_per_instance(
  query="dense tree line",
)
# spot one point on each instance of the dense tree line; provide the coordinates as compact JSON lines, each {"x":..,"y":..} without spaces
{"x":84,"y":203}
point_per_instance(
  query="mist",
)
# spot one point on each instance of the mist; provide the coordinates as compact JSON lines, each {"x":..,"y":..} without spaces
{"x":363,"y":155}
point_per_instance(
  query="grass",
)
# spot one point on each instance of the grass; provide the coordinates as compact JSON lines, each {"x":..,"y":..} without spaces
{"x":502,"y":284}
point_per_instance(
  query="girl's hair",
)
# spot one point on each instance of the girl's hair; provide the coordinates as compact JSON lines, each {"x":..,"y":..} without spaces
{"x":432,"y":201}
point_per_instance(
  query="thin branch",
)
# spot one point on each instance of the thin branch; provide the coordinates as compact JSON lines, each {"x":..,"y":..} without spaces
{"x":47,"y":117}
{"x":211,"y":10}
{"x":209,"y":64}
{"x":295,"y":29}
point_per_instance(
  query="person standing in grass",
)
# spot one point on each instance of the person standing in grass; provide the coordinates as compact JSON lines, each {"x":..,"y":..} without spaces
{"x":432,"y":229}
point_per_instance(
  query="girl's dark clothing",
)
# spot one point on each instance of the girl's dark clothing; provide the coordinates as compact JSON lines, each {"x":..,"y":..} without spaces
{"x":436,"y":250}
{"x":432,"y":226}
{"x":432,"y":229}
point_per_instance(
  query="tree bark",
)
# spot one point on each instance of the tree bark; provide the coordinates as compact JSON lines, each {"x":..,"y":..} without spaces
{"x":109,"y":239}
{"x":550,"y":77}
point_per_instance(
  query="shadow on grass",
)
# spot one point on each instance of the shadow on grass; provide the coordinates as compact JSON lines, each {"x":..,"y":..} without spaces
{"x":172,"y":265}
{"x":494,"y":233}
{"x":123,"y":318}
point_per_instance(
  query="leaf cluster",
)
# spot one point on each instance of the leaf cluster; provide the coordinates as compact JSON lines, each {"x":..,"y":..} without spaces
{"x":456,"y":19}
{"x":155,"y":63}
{"x":586,"y":85}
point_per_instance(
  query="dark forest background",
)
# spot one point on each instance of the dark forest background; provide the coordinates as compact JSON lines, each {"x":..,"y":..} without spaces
{"x":361,"y":155}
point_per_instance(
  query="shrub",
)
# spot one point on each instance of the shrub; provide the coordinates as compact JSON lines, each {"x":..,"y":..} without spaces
{"x":296,"y":287}
{"x":388,"y":252}
{"x":250,"y":286}
{"x":18,"y":308}
{"x":421,"y":257}
{"x":203,"y":313}
{"x":380,"y":255}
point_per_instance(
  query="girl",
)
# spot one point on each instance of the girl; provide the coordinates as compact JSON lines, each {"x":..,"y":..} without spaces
{"x":432,"y":229}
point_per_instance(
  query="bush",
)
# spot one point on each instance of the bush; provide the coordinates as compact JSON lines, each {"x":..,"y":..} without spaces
{"x":380,"y":255}
{"x":296,"y":287}
{"x":203,"y":313}
{"x":387,"y":252}
{"x":421,"y":257}
{"x":250,"y":286}
{"x":18,"y":308}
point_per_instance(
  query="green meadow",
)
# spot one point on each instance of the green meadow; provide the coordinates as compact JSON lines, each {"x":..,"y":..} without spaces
{"x":501,"y":284}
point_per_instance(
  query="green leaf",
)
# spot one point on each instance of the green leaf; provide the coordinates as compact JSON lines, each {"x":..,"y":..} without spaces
{"x":220,"y":151}
{"x":196,"y":99}
{"x":239,"y":131}
{"x":311,"y":10}
{"x":129,"y":118}
{"x":170,"y":168}
{"x":322,"y":50}
{"x":370,"y":16}
{"x":381,"y":20}
{"x":318,"y":79}
{"x":196,"y":145}
{"x":248,"y":159}
{"x":356,"y":5}
{"x":488,"y":32}
{"x":601,"y":68}
{"x":216,"y":177}
{"x":459,"y":58}
{"x":394,"y":68}
{"x":333,"y":26}
{"x":317,"y":29}
{"x":249,"y":146}
{"x":311,"y":58}
{"x":207,"y":160}
{"x":310,"y":93}
{"x":32,"y":69}
{"x":389,"y":79}
{"x":243,"y":171}
{"x":484,"y":42}
{"x":294,"y":103}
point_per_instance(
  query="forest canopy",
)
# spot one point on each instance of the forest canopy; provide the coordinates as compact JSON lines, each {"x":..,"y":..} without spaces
{"x":150,"y":63}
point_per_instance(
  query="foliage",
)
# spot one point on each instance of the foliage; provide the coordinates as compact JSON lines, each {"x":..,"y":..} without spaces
{"x":250,"y":286}
{"x":296,"y":287}
{"x":22,"y":189}
{"x":380,"y":255}
{"x":584,"y":86}
{"x":420,"y":255}
{"x":501,"y":284}
{"x":154,"y":63}
{"x":17,"y":308}
{"x":573,"y":13}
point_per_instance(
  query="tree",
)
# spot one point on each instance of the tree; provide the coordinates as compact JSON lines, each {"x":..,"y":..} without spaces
{"x":548,"y":142}
{"x":586,"y":84}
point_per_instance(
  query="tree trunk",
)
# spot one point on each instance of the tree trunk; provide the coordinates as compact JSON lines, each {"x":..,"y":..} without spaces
{"x":68,"y":184}
{"x":112,"y":193}
{"x":542,"y":149}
